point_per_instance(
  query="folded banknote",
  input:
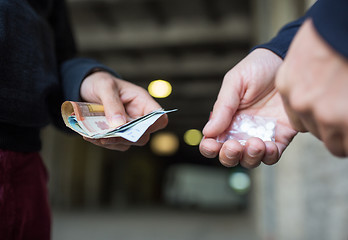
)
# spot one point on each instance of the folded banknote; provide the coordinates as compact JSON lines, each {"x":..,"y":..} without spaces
{"x":88,"y":119}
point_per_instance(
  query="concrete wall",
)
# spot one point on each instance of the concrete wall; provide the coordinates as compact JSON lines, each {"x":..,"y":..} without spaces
{"x":304,"y":196}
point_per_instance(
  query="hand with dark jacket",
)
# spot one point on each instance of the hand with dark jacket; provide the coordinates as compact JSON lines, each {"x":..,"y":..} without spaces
{"x":313,"y":83}
{"x":122,"y":100}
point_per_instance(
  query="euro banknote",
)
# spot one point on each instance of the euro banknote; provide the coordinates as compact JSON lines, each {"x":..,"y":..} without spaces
{"x":88,"y":119}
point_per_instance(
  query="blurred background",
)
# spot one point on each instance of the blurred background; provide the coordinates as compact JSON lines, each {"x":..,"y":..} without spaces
{"x":167,"y":190}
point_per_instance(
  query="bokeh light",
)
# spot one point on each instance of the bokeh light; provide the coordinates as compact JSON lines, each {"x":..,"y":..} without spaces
{"x":160,"y":89}
{"x":164,"y":144}
{"x":193,"y":137}
{"x":240,"y":182}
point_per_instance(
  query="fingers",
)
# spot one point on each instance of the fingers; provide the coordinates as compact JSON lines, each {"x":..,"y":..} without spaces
{"x":232,"y":153}
{"x":209,"y":147}
{"x":316,"y":119}
{"x":225,"y":106}
{"x":161,"y":123}
{"x":334,"y":142}
{"x":118,"y":143}
{"x":333,"y":136}
{"x":113,"y":106}
{"x":101,"y":87}
{"x":122,"y":101}
{"x":253,"y":153}
{"x":272,"y":153}
{"x":98,"y":142}
{"x":137,"y":99}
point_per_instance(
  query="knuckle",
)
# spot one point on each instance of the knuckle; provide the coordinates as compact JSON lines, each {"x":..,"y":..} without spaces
{"x":141,"y":143}
{"x":324,"y":119}
{"x":229,"y":75}
{"x":222,"y":106}
{"x":144,"y":141}
{"x":143,"y":91}
{"x":330,"y":115}
{"x":123,"y":148}
{"x":298,"y":104}
{"x":338,"y":152}
{"x":334,"y":142}
{"x":107,"y":82}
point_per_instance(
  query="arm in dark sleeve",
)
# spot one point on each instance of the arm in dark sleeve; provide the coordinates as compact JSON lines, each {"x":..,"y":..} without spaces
{"x":330,"y":19}
{"x":72,"y":70}
{"x":281,"y":42}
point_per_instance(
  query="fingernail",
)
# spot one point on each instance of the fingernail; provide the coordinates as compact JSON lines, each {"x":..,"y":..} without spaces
{"x":253,"y":152}
{"x":104,"y":141}
{"x":117,"y":120}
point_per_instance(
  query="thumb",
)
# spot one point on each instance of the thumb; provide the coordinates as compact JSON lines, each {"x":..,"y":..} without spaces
{"x":113,"y":107}
{"x":224,"y":109}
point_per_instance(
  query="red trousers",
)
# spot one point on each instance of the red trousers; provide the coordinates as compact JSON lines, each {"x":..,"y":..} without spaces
{"x":24,"y":205}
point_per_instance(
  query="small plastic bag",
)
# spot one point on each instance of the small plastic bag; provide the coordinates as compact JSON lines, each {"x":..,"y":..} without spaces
{"x":246,"y":126}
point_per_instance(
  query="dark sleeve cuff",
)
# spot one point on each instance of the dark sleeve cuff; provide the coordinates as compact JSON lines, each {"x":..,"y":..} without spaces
{"x":74,"y":71}
{"x":331,"y":21}
{"x":281,"y":43}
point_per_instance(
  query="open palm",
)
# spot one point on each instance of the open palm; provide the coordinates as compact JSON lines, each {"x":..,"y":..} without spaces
{"x":248,"y":88}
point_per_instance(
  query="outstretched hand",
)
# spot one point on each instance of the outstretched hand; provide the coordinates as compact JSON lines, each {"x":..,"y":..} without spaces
{"x":248,"y":88}
{"x":122,"y":102}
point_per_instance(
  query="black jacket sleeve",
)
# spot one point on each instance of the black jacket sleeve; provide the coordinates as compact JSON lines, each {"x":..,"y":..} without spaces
{"x":330,"y":19}
{"x":72,"y":69}
{"x":281,"y":42}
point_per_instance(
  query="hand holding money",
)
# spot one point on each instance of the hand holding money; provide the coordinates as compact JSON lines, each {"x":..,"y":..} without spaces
{"x":88,"y":119}
{"x":122,"y":101}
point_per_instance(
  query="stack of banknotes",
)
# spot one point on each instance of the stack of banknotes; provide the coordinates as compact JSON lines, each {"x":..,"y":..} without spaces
{"x":88,"y":119}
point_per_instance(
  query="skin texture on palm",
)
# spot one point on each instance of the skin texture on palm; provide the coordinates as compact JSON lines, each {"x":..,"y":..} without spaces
{"x":122,"y":101}
{"x":313,"y":82}
{"x":248,"y":88}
